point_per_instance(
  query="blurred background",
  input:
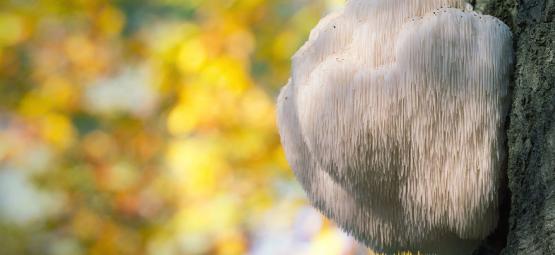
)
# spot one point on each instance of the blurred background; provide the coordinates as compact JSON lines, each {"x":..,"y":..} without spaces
{"x":148,"y":127}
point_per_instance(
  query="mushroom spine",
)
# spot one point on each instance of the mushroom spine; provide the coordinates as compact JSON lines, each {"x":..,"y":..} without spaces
{"x":393,"y":122}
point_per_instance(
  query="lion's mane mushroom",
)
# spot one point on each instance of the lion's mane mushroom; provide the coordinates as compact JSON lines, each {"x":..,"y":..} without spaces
{"x":393,"y":122}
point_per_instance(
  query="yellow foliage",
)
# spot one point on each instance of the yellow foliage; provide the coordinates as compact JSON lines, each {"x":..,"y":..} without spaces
{"x":196,"y":165}
{"x":181,"y":120}
{"x":202,"y":172}
{"x":111,"y":21}
{"x":191,"y":56}
{"x":57,"y":130}
{"x":12,"y":27}
{"x":225,"y":73}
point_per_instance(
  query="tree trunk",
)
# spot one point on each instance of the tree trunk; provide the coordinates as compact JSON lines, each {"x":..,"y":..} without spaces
{"x":529,"y":227}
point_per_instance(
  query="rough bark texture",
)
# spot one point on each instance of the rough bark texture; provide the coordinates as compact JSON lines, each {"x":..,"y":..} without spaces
{"x":531,"y":130}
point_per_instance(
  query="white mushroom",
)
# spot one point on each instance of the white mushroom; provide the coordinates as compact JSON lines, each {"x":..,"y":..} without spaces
{"x":393,"y":122}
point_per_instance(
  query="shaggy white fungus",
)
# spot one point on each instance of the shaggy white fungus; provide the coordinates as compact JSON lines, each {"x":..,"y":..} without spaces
{"x":393,"y":122}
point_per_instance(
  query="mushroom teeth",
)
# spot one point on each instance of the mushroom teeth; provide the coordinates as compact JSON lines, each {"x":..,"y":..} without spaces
{"x":393,"y":122}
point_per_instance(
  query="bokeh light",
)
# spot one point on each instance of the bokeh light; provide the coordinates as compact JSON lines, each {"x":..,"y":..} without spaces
{"x":148,"y":127}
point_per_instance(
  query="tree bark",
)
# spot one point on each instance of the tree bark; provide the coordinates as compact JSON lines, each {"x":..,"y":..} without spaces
{"x":529,"y":228}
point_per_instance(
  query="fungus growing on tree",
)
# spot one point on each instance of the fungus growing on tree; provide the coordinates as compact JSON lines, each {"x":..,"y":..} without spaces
{"x":393,"y":122}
